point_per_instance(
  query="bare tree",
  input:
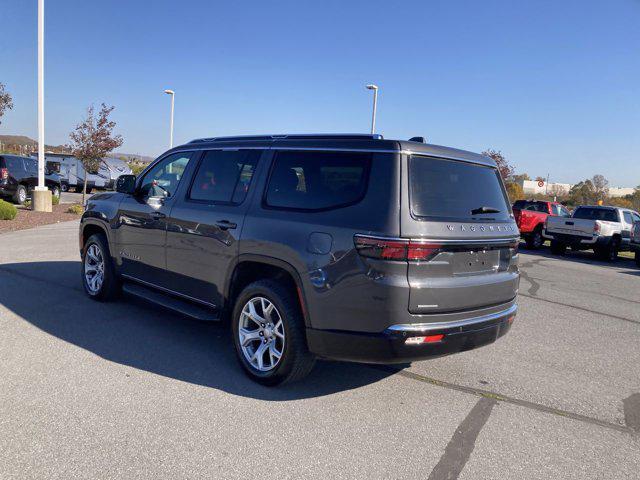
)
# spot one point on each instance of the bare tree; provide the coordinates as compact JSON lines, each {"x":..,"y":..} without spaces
{"x":6,"y":102}
{"x":600,"y":187}
{"x":504,"y":167}
{"x":93,"y":139}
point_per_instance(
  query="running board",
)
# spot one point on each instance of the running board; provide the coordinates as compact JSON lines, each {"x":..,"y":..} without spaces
{"x":172,"y":303}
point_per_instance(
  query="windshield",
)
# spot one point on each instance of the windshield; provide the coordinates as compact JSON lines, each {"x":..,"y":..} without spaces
{"x":453,"y":190}
{"x":593,"y":213}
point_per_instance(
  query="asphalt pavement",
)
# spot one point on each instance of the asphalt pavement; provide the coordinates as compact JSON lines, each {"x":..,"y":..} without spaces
{"x":128,"y":390}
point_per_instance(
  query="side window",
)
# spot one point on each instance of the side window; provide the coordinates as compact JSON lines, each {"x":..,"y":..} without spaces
{"x":636,"y":217}
{"x":163,"y":178}
{"x":317,"y":180}
{"x":224,"y":176}
{"x":627,"y":217}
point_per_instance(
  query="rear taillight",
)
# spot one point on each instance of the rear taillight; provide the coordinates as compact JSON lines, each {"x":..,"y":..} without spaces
{"x":4,"y":173}
{"x":395,"y":249}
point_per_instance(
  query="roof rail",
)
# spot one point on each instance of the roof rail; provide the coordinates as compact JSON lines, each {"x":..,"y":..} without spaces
{"x":303,"y":136}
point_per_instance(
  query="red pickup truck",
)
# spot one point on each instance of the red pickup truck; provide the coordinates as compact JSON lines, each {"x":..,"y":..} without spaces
{"x":530,"y":216}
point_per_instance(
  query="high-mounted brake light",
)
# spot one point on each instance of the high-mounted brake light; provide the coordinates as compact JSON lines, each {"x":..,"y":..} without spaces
{"x":395,"y":249}
{"x":4,"y":173}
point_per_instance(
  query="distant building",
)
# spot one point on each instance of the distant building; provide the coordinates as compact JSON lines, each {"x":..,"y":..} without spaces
{"x":532,"y":187}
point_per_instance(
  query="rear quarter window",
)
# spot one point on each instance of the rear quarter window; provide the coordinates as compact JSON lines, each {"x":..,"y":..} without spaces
{"x":315,"y":181}
{"x":442,"y":189}
{"x":12,"y":163}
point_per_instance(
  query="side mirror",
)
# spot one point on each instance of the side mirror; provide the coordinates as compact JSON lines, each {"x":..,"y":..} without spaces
{"x":126,"y":184}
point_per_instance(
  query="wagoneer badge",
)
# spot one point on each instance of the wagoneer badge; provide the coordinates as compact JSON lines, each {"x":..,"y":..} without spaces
{"x":483,"y":228}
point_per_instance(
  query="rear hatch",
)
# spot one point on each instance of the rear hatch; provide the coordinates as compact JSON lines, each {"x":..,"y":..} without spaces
{"x":457,"y":216}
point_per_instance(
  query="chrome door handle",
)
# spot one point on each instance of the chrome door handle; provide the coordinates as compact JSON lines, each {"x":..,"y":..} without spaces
{"x":157,"y":215}
{"x":226,"y":225}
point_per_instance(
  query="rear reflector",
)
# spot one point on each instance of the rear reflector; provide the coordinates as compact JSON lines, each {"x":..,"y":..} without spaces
{"x":383,"y":249}
{"x":427,"y":339}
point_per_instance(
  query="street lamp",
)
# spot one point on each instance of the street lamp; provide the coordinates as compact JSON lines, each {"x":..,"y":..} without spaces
{"x":373,"y":87}
{"x":173,"y":96}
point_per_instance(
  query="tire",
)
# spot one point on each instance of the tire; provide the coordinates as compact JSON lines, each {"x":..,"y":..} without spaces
{"x":558,"y":248}
{"x":295,"y":361}
{"x":89,"y":189}
{"x":109,"y":287}
{"x":608,"y":253}
{"x":64,"y":187}
{"x":21,"y":195}
{"x":535,"y":240}
{"x":637,"y":258}
{"x":79,"y":188}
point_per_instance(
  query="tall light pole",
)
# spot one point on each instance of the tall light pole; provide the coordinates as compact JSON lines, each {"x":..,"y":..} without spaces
{"x":375,"y":104}
{"x":41,"y":196}
{"x":173,"y":96}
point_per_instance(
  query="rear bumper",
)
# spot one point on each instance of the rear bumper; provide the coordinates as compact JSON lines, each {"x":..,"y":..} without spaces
{"x":390,"y":345}
{"x":577,"y":240}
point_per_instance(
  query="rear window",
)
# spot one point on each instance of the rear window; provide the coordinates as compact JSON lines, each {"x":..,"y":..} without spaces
{"x":592,"y":213}
{"x":317,"y":180}
{"x":452,"y":190}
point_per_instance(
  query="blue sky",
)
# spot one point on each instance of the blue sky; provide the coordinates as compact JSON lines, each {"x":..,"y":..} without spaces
{"x":554,"y":85}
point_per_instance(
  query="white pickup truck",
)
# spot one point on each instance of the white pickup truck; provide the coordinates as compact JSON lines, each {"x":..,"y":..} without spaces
{"x":607,"y":230}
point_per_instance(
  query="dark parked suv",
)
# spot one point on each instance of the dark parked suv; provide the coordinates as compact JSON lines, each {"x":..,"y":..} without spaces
{"x":347,"y":247}
{"x":19,"y":176}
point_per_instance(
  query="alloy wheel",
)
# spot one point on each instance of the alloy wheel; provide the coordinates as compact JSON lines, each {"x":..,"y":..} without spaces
{"x":94,"y":268}
{"x":261,"y":334}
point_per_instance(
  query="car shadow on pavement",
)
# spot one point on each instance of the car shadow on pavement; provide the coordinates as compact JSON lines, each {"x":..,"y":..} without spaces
{"x":131,"y":332}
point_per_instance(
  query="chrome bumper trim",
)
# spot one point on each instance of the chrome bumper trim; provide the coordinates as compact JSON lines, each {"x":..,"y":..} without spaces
{"x":427,"y":327}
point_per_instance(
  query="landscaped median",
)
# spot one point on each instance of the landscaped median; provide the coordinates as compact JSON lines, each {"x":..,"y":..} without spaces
{"x":12,"y":218}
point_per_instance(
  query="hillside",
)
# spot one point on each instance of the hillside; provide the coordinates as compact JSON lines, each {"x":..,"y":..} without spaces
{"x":13,"y":143}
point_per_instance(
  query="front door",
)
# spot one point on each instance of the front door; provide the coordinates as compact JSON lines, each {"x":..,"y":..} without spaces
{"x":205,"y":225}
{"x":142,"y":227}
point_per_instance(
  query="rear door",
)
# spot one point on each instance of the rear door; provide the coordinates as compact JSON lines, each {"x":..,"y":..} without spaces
{"x":459,"y":213}
{"x":627,"y":226}
{"x":205,"y":224}
{"x":30,"y":172}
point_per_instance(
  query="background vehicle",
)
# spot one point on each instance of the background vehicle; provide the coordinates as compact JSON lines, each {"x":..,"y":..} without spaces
{"x":110,"y":170}
{"x":605,"y":229}
{"x":19,"y":176}
{"x":72,"y":173}
{"x":530,"y":216}
{"x":634,"y":241}
{"x":349,"y":247}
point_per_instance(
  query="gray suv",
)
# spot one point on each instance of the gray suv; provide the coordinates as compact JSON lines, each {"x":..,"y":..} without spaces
{"x":348,"y":247}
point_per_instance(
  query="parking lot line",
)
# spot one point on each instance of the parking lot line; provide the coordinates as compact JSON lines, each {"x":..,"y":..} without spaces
{"x":506,"y":399}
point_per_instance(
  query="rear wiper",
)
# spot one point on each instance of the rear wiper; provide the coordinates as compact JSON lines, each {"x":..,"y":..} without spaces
{"x":480,"y":210}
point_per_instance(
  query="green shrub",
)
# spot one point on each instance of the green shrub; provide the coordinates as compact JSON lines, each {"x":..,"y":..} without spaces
{"x":76,"y":209}
{"x":55,"y":200}
{"x":27,"y":204}
{"x":7,"y":211}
